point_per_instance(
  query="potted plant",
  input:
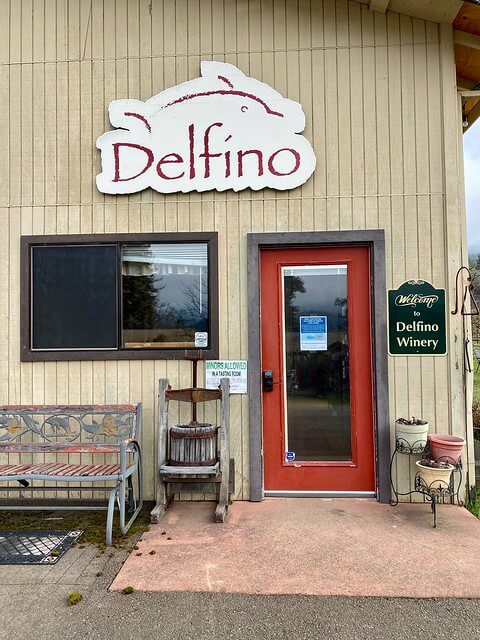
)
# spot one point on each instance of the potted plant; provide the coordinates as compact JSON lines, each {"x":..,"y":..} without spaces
{"x":446,"y":448}
{"x":412,"y":433}
{"x":434,"y":476}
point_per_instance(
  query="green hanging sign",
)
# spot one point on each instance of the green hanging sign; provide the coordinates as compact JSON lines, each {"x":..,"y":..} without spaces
{"x":416,"y":320}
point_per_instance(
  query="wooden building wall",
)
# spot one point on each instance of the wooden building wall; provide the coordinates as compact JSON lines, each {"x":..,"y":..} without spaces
{"x":379,"y":96}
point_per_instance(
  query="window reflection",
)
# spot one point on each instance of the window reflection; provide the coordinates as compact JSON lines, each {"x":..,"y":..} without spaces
{"x":165,"y":294}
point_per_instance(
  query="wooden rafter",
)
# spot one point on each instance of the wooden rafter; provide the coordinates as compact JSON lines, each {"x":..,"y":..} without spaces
{"x":466,"y":39}
{"x":464,"y":84}
{"x":472,"y":115}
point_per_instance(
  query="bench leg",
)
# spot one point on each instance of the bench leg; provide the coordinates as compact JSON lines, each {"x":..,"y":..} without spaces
{"x":121,"y":495}
{"x":131,"y":496}
{"x":139,"y":505}
{"x":110,"y":513}
{"x":118,"y":494}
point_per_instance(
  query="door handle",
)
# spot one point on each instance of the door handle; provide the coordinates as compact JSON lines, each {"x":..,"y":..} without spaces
{"x":267,"y":376}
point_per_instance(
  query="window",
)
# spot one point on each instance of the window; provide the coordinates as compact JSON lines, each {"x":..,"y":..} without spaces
{"x":124,"y":296}
{"x":165,"y":294}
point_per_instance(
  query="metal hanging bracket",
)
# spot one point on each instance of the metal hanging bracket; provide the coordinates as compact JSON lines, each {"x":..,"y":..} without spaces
{"x":468,"y":289}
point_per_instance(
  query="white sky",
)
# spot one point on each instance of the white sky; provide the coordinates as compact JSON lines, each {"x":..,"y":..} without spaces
{"x":471,"y":144}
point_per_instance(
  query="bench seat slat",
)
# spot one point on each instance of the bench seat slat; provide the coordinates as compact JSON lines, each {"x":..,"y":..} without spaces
{"x":76,"y":470}
{"x":59,"y":469}
{"x":40,"y":467}
{"x":104,"y":470}
{"x":9,"y":469}
{"x":52,"y":469}
{"x":81,"y":470}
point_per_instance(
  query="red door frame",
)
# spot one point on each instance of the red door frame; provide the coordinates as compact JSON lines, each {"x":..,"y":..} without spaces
{"x":359,"y":473}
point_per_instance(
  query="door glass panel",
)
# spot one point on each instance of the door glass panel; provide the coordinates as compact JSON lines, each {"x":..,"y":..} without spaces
{"x":317,"y":375}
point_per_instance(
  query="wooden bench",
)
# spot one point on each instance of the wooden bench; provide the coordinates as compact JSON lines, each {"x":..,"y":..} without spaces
{"x":38,"y":442}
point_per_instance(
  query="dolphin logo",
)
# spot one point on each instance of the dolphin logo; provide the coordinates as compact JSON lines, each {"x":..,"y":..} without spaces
{"x":223,"y":130}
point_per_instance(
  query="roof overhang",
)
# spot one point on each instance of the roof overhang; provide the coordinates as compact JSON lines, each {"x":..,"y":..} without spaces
{"x":465,"y":17}
{"x":466,"y":38}
{"x":433,"y":10}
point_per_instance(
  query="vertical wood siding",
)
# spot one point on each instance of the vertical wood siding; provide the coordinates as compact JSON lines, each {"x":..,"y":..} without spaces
{"x":379,"y":96}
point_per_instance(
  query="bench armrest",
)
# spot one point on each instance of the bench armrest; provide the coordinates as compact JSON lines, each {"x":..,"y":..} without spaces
{"x":128,"y":446}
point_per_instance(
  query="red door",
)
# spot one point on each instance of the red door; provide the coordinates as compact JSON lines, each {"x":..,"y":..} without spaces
{"x":317,"y":361}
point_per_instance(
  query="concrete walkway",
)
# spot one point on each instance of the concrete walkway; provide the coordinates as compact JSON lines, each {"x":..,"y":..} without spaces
{"x":310,"y":547}
{"x":33,"y":603}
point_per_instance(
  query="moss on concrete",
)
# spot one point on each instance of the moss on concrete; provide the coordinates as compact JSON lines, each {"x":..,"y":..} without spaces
{"x":74,"y":598}
{"x":128,"y":590}
{"x":92,"y":522}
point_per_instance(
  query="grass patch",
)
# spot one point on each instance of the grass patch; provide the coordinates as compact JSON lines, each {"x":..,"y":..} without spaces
{"x":93,"y":524}
{"x":476,"y":384}
{"x":474,"y":507}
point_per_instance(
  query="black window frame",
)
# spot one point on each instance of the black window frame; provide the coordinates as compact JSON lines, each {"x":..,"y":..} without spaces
{"x":119,"y":353}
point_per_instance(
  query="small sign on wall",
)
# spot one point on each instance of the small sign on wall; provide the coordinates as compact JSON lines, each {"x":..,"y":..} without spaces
{"x":234,"y":370}
{"x":201,"y":339}
{"x":416,"y":320}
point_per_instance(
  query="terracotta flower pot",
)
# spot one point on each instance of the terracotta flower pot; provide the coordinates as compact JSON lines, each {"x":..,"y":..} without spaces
{"x":446,"y":448}
{"x":412,"y":435}
{"x":434,"y":479}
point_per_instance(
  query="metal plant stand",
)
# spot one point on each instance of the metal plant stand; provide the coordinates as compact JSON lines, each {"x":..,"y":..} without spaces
{"x":432,"y":492}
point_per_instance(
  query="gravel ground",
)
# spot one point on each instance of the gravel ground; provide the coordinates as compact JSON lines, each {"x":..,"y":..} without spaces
{"x":40,"y":614}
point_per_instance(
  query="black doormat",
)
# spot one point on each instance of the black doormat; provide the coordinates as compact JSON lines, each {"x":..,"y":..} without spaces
{"x":35,"y":547}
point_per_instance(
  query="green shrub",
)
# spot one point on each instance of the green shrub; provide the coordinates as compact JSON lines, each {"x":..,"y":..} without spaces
{"x":476,"y":417}
{"x":473,"y":502}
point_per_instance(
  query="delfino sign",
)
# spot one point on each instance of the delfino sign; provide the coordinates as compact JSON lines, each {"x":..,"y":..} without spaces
{"x":416,"y":320}
{"x":221,"y":131}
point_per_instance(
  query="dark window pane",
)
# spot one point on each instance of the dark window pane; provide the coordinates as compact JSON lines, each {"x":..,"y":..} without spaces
{"x":74,"y":297}
{"x":165,"y":294}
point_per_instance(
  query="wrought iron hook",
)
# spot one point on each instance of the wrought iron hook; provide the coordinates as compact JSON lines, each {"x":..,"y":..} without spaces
{"x":467,"y":291}
{"x":468,"y":365}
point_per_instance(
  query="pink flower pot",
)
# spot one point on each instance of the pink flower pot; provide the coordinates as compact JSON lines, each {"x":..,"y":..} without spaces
{"x":446,"y":448}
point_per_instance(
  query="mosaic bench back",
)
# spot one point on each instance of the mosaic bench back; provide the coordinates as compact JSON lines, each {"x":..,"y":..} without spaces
{"x":68,"y":427}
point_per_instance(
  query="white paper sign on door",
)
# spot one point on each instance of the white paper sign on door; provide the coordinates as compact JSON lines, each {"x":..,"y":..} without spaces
{"x":313,"y":333}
